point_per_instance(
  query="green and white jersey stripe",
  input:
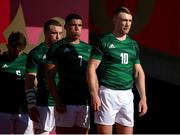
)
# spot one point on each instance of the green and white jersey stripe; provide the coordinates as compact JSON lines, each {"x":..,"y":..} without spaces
{"x":72,"y":62}
{"x":36,"y":64}
{"x":117,"y":61}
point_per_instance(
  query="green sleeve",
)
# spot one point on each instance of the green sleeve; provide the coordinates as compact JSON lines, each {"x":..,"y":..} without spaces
{"x":32,"y":63}
{"x":137,"y":61}
{"x":97,"y":51}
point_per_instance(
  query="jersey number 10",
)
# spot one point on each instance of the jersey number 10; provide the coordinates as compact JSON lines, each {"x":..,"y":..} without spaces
{"x":124,"y":58}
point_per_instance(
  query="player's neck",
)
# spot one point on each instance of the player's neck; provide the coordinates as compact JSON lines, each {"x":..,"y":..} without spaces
{"x":119,"y":36}
{"x":73,"y":40}
{"x":47,"y":43}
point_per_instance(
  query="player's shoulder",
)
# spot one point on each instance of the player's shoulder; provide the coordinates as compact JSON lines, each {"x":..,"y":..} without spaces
{"x":38,"y":48}
{"x":57,"y":45}
{"x":3,"y":56}
{"x":107,"y":37}
{"x":130,"y":39}
{"x":38,"y":51}
{"x":60,"y":42}
{"x":24,"y":55}
{"x":85,"y":43}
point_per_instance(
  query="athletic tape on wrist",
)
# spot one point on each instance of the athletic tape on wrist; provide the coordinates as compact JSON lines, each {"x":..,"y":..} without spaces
{"x":31,"y":98}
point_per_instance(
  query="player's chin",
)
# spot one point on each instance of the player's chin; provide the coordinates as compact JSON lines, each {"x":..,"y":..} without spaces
{"x":54,"y":41}
{"x":76,"y":35}
{"x":125,"y":31}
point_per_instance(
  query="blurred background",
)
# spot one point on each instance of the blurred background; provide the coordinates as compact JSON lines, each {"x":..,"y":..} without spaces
{"x":156,"y":27}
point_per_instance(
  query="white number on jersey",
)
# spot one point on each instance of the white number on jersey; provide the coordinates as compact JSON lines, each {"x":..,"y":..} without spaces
{"x":18,"y":74}
{"x":124,"y":58}
{"x":80,"y":60}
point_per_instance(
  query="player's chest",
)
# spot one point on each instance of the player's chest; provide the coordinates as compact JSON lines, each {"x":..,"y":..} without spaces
{"x":121,"y":53}
{"x":74,"y":54}
{"x":14,"y":68}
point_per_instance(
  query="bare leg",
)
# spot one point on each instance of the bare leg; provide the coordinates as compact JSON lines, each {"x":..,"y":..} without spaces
{"x":120,"y":129}
{"x":64,"y":130}
{"x":104,"y":129}
{"x":71,"y":130}
{"x":41,"y":131}
{"x":80,"y":130}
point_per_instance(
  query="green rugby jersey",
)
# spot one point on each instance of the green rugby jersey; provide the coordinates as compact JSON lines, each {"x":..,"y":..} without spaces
{"x":12,"y":80}
{"x":117,"y":61}
{"x":72,"y":63}
{"x":36,"y":64}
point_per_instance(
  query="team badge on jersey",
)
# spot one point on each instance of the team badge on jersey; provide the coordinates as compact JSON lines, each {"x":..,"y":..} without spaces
{"x":44,"y":57}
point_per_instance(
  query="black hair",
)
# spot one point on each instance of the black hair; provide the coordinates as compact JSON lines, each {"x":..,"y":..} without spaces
{"x":17,"y":39}
{"x":72,"y":16}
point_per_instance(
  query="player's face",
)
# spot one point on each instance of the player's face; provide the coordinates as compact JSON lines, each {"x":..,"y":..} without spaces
{"x":55,"y":33}
{"x":74,"y":28}
{"x":122,"y":23}
{"x":15,"y":50}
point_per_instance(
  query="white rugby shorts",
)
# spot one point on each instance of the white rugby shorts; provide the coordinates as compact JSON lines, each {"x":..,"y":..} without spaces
{"x":47,"y":119}
{"x":15,"y":124}
{"x":117,"y":106}
{"x":78,"y":115}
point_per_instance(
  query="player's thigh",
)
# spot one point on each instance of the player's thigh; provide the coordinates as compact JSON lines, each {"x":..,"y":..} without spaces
{"x":23,"y":124}
{"x":6,"y":123}
{"x":109,"y":107}
{"x":121,"y":129}
{"x":104,"y":129}
{"x":83,"y":116}
{"x":125,"y":116}
{"x":66,"y":119}
{"x":47,"y":118}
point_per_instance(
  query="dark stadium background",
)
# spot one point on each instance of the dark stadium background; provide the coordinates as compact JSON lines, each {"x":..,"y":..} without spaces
{"x":156,"y":28}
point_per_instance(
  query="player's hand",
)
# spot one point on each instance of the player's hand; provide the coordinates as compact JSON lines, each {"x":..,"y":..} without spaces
{"x":142,"y":107}
{"x":95,"y":103}
{"x":34,"y":114}
{"x":60,"y":108}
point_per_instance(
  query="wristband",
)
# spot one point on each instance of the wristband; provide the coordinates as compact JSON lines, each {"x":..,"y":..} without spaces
{"x":31,"y":98}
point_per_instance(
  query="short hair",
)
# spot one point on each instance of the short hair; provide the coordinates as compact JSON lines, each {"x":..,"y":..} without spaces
{"x":51,"y":22}
{"x":121,"y":9}
{"x":72,"y":16}
{"x":17,"y":39}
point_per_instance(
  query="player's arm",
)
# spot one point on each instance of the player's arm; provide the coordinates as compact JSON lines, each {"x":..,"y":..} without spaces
{"x":140,"y":84}
{"x":31,"y":81}
{"x":51,"y":70}
{"x":30,"y":90}
{"x":93,"y":83}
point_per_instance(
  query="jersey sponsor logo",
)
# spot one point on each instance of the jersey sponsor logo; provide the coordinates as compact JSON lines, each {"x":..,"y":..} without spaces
{"x":66,"y":50}
{"x":44,"y":57}
{"x":111,"y":46}
{"x":5,"y":66}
